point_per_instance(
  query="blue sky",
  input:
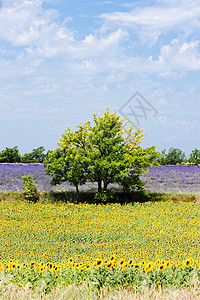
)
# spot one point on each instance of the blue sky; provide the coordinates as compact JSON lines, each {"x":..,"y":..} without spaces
{"x":61,"y":61}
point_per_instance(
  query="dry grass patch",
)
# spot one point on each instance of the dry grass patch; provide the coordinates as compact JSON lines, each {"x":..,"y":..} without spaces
{"x":84,"y":293}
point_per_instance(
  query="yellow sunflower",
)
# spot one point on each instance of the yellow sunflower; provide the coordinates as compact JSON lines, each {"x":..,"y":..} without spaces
{"x":109,"y":265}
{"x":161,"y":267}
{"x":99,"y":262}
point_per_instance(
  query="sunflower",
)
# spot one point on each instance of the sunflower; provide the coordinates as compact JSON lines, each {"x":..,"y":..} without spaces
{"x":130,"y":262}
{"x":137,"y":266}
{"x":56,"y":277}
{"x":56,"y":268}
{"x":7,"y":267}
{"x":99,"y":262}
{"x":25,"y":266}
{"x":13,"y":266}
{"x":188,"y":262}
{"x":109,"y":265}
{"x":121,"y":262}
{"x":148,"y":266}
{"x":77,"y":266}
{"x":88,"y":266}
{"x":19,"y":267}
{"x":112,"y":257}
{"x":32,"y":264}
{"x":191,"y":260}
{"x":50,"y":266}
{"x":114,"y":263}
{"x":157,"y":261}
{"x":71,"y":260}
{"x":161,"y":267}
{"x":143,"y":262}
{"x":162,"y":262}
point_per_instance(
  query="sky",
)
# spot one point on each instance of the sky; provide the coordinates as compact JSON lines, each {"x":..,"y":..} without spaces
{"x":61,"y":61}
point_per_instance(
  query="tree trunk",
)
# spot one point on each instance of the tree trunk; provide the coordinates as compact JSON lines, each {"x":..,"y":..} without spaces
{"x":77,"y":193}
{"x":105,"y":186}
{"x":99,"y":185}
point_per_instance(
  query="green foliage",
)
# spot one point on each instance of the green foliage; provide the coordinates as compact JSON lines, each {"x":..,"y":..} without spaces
{"x":173,"y":157}
{"x":30,"y":192}
{"x":101,"y":152}
{"x":195,"y":157}
{"x":63,"y":167}
{"x":36,"y":156}
{"x":10,"y":155}
{"x":104,"y":196}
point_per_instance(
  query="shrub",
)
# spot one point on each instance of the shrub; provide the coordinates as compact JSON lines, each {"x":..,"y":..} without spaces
{"x":30,"y":193}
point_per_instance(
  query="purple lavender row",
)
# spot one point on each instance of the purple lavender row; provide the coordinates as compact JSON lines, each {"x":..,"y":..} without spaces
{"x":175,"y":179}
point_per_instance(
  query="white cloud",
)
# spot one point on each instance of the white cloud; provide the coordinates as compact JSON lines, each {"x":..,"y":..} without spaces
{"x":150,"y":22}
{"x":179,"y":56}
{"x":26,"y":23}
{"x":106,"y":2}
{"x":41,"y":37}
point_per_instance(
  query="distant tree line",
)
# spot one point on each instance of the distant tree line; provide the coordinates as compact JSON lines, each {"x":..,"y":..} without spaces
{"x":171,"y":157}
{"x":12,"y":155}
{"x":176,"y":156}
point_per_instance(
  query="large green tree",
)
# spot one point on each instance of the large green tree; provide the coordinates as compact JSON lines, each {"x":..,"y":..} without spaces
{"x":101,"y":151}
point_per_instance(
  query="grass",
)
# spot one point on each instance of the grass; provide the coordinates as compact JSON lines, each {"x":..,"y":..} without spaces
{"x":119,"y":197}
{"x":83,"y":293}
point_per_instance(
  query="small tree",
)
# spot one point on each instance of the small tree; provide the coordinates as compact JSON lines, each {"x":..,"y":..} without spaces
{"x":102,"y":152}
{"x":30,"y":189}
{"x":195,"y":157}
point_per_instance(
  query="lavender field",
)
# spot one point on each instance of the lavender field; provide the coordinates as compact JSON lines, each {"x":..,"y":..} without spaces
{"x":167,"y":179}
{"x":173,"y":179}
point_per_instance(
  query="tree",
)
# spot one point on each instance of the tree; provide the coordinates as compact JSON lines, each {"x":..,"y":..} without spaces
{"x":30,"y":189}
{"x":10,"y":155}
{"x":195,"y":156}
{"x":173,"y":157}
{"x":64,"y":166}
{"x":101,"y":152}
{"x":36,"y":156}
{"x":162,"y":158}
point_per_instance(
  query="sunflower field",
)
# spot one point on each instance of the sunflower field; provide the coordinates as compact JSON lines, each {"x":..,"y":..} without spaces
{"x":112,"y":244}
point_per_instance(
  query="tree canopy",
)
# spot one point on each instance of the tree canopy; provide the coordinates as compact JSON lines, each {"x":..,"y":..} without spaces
{"x":36,"y":156}
{"x":172,"y":157}
{"x":195,"y":156}
{"x":101,"y":151}
{"x":10,"y":155}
